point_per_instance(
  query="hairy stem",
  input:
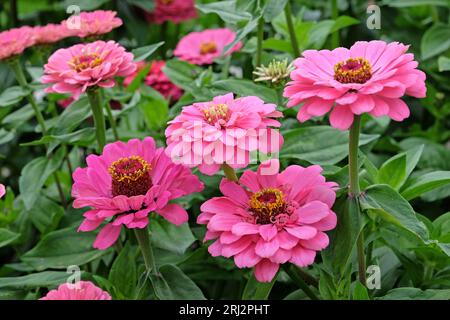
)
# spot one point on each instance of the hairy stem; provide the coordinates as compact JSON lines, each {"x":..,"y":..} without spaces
{"x":143,"y":239}
{"x":95,"y":101}
{"x":290,"y":24}
{"x":355,"y":191}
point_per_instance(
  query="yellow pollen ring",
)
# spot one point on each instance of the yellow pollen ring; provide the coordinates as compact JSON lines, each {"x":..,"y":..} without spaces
{"x":216,"y":112}
{"x":208,"y":47}
{"x":128,"y":176}
{"x":267,"y":207}
{"x":353,"y":70}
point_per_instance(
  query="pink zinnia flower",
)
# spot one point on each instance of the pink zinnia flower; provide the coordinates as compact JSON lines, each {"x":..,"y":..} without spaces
{"x":82,"y":290}
{"x":2,"y":190}
{"x":268,"y":220}
{"x":51,"y":33}
{"x":81,"y":66}
{"x":205,"y":46}
{"x":14,"y":41}
{"x":225,"y":130}
{"x":126,"y":183}
{"x":369,"y":77}
{"x":94,"y":23}
{"x":175,"y":11}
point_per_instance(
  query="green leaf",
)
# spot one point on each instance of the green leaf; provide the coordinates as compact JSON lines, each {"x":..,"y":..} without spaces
{"x":143,"y":53}
{"x":45,"y":215}
{"x":393,"y":171}
{"x":62,"y":248}
{"x":226,"y":10}
{"x":360,"y":292}
{"x":166,"y":235}
{"x":143,"y":4}
{"x":255,"y":290}
{"x":417,"y":294}
{"x":6,"y":136}
{"x":77,"y":112}
{"x":321,"y":145}
{"x":172,"y":284}
{"x":435,"y":41}
{"x":138,"y":79}
{"x":34,"y":175}
{"x":246,"y":88}
{"x":35,"y":280}
{"x":421,"y":184}
{"x":19,"y":116}
{"x":7,"y":237}
{"x":443,"y":64}
{"x":12,"y":95}
{"x":85,"y":5}
{"x":343,"y":22}
{"x":343,"y":238}
{"x":414,"y":3}
{"x":155,"y":111}
{"x":242,"y":33}
{"x":123,"y":274}
{"x":388,"y":204}
{"x":273,"y":8}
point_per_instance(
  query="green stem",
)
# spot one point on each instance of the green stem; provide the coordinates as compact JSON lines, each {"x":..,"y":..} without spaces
{"x":226,"y":67}
{"x":354,"y":191}
{"x":22,"y":80}
{"x":353,"y":157}
{"x":143,"y":239}
{"x":20,"y":76}
{"x":112,"y":121}
{"x":290,"y":24}
{"x":94,"y":97}
{"x":229,"y":173}
{"x":292,"y":271}
{"x":334,"y":15}
{"x":259,"y":42}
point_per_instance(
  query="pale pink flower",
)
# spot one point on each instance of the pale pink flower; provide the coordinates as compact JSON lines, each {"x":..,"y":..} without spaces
{"x":14,"y":41}
{"x":370,"y":77}
{"x":2,"y":190}
{"x":51,"y":33}
{"x":82,"y":290}
{"x":205,"y":46}
{"x":225,"y":130}
{"x":75,"y":69}
{"x":268,"y":220}
{"x":127,"y":182}
{"x":94,"y":23}
{"x":175,"y":11}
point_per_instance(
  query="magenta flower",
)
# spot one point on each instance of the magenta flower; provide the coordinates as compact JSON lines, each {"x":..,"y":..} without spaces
{"x":94,"y":23}
{"x":205,"y":46}
{"x":175,"y":11}
{"x":51,"y":33}
{"x":127,"y":182}
{"x":225,"y":130}
{"x":82,"y":290}
{"x":369,"y":77}
{"x":268,"y":220}
{"x":75,"y":69}
{"x":157,"y":79}
{"x":14,"y":41}
{"x":2,"y":190}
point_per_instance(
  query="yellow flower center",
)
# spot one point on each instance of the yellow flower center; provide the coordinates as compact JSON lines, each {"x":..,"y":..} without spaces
{"x":130,"y":176}
{"x":267,"y":204}
{"x":219,"y":113}
{"x":83,"y":62}
{"x":208,"y":47}
{"x":353,"y":70}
